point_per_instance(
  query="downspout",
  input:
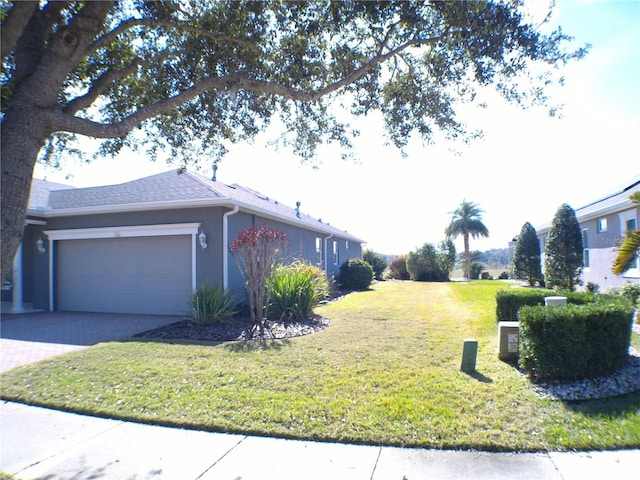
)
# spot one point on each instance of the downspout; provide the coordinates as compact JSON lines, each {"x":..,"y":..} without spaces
{"x":51,"y":276}
{"x":225,"y":246}
{"x":326,"y":254}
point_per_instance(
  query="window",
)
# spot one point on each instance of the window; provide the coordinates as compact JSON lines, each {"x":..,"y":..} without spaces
{"x":630,"y":225}
{"x":318,"y":251}
{"x":602,"y":225}
{"x":585,"y":248}
{"x":335,"y":252}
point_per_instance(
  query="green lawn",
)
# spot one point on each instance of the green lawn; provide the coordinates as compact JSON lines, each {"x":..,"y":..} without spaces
{"x":387,"y":371}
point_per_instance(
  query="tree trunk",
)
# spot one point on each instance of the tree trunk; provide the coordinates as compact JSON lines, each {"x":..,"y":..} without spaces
{"x":23,"y":134}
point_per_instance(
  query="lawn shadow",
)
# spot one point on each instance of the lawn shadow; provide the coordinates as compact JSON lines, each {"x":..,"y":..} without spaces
{"x":480,"y":377}
{"x":616,"y":406}
{"x":255,"y":345}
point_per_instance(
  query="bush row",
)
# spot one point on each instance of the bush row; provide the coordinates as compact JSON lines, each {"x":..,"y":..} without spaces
{"x":508,"y":302}
{"x":576,"y":341}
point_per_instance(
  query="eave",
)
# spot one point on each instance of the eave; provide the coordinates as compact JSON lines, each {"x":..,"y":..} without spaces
{"x":192,"y":203}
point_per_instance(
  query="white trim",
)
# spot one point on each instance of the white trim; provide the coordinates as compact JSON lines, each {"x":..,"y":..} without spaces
{"x":194,"y":249}
{"x":128,"y":231}
{"x":198,"y":203}
{"x":326,"y":253}
{"x":51,"y":276}
{"x":31,"y":221}
{"x":124,"y":231}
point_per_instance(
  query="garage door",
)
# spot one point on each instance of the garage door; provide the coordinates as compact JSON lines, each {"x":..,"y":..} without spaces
{"x":124,"y":275}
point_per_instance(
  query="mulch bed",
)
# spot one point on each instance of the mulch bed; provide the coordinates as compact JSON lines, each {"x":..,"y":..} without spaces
{"x":237,"y":329}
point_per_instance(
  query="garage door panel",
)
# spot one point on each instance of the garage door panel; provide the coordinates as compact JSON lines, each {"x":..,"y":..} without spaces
{"x":124,"y":275}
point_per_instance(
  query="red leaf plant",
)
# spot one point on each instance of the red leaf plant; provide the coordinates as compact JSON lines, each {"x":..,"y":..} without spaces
{"x":257,"y":252}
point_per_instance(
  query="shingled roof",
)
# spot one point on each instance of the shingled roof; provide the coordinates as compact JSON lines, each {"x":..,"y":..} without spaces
{"x":168,"y":190}
{"x":616,"y":201}
{"x":40,"y":192}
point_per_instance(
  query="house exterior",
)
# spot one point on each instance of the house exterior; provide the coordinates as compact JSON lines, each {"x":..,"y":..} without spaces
{"x":143,"y":246}
{"x":604,"y":223}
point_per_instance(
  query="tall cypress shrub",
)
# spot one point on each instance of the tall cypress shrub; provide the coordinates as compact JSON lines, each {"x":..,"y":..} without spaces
{"x":563,"y":251}
{"x":526,"y":258}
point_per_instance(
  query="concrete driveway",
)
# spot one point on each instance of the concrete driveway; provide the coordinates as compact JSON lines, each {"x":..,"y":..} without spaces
{"x":30,"y":337}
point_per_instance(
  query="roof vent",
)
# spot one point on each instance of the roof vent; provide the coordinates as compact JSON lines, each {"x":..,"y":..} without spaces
{"x":215,"y":170}
{"x":298,"y":209}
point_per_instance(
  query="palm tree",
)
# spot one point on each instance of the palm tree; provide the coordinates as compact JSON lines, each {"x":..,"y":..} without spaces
{"x":466,"y":220}
{"x":629,"y":249}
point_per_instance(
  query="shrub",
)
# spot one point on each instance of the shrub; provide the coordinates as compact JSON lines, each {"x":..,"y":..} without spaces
{"x":592,"y":287}
{"x":356,"y":274}
{"x":508,"y":302}
{"x":296,"y":289}
{"x":526,"y":256}
{"x":475,"y":269}
{"x":398,"y":268}
{"x":428,"y":264}
{"x":503,"y":276}
{"x":563,"y":250}
{"x":376,"y":261}
{"x":257,"y":251}
{"x":574,"y":342}
{"x":211,"y":304}
{"x":630,"y":291}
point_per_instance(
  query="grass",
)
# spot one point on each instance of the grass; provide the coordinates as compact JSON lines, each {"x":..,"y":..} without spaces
{"x":386,"y":372}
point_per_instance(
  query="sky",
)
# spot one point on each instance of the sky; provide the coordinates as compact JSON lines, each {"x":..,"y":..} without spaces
{"x":524,"y":168}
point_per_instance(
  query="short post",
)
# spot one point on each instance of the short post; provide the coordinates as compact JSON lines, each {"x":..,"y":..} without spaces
{"x":562,"y":301}
{"x":469,"y":354}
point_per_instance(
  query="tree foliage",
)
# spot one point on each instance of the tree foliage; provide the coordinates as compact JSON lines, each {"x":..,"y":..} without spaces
{"x":466,"y":221}
{"x":431,"y":264}
{"x":398,"y":268}
{"x":563,"y":251}
{"x":376,"y":261}
{"x":526,"y":258}
{"x":189,"y":78}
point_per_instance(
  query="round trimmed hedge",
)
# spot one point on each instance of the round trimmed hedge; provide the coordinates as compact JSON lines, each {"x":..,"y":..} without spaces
{"x":356,"y":274}
{"x":574,"y":341}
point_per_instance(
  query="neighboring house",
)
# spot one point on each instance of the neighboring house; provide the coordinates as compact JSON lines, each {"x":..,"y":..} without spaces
{"x":145,"y":245}
{"x":604,"y":223}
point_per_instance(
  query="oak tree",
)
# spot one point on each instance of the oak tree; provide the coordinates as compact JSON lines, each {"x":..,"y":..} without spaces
{"x":190,"y":78}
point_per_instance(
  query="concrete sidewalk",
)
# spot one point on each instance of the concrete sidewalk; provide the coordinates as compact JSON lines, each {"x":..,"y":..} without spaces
{"x":49,"y":444}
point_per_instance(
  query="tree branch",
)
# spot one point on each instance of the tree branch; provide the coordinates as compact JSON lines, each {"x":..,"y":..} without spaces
{"x":109,"y":37}
{"x":64,"y":121}
{"x":108,"y":77}
{"x":14,"y":25}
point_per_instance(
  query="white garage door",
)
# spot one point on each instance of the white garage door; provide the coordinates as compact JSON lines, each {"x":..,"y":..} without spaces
{"x":124,"y":275}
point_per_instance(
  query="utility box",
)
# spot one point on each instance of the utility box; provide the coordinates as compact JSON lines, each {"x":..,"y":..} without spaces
{"x":469,"y":354}
{"x":555,"y":301}
{"x":508,"y":340}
